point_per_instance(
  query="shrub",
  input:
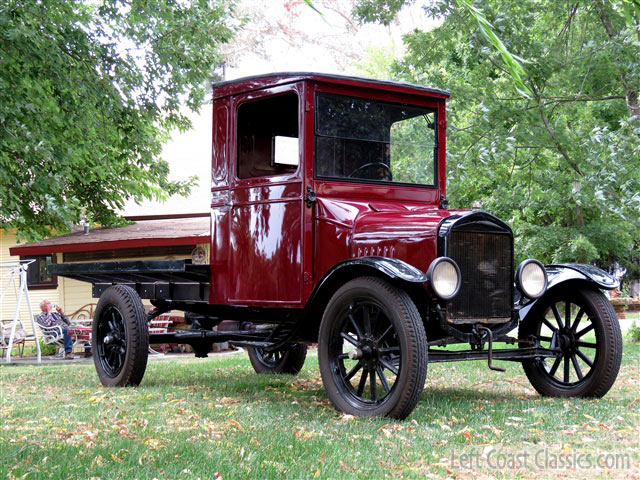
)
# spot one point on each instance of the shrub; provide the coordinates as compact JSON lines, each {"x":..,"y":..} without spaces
{"x":44,"y":349}
{"x":634,"y":332}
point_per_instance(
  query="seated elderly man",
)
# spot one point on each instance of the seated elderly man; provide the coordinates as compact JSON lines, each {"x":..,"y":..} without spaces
{"x":49,"y":318}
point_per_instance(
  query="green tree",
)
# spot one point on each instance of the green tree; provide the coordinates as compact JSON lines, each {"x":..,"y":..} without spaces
{"x":88,"y":94}
{"x":560,"y":159}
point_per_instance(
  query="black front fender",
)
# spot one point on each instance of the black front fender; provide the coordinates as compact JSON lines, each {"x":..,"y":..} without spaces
{"x":577,"y":271}
{"x":558,"y":274}
{"x":391,"y":268}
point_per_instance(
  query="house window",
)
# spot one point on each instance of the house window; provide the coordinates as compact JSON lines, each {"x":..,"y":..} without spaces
{"x":37,"y":276}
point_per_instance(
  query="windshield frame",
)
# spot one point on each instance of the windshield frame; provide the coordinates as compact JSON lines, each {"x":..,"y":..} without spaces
{"x":431,"y":109}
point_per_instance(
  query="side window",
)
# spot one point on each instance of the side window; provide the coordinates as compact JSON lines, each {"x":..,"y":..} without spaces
{"x":268,"y":136}
{"x":37,"y":276}
{"x":371,"y":141}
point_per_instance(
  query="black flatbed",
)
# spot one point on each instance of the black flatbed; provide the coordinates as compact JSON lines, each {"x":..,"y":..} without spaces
{"x":152,"y":279}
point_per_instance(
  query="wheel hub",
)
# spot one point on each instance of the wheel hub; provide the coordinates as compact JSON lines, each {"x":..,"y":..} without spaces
{"x":370,"y":354}
{"x":355,"y":354}
{"x":567,"y":341}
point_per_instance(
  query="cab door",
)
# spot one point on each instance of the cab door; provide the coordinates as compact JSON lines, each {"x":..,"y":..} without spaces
{"x":266,"y":237}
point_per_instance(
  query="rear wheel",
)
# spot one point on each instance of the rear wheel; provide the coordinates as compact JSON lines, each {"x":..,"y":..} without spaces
{"x":120,"y":339}
{"x":289,"y":359}
{"x":582,"y":326}
{"x":372,"y":350}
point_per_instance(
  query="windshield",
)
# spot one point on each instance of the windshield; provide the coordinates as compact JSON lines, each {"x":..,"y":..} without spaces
{"x":363,"y":140}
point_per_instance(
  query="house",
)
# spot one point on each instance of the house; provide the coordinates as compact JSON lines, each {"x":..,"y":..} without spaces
{"x":151,"y":237}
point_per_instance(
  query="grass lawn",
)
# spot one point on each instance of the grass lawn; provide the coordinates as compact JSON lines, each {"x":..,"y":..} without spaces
{"x":215,"y":418}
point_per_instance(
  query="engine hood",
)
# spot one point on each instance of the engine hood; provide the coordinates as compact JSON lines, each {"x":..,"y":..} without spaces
{"x":399,"y":223}
{"x":389,"y":229}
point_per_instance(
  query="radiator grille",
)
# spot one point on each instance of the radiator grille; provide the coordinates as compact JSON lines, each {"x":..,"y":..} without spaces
{"x":485,"y":261}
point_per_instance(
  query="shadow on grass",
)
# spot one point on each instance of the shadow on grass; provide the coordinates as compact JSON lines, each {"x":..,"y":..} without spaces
{"x":307,"y":390}
{"x":469,"y":394}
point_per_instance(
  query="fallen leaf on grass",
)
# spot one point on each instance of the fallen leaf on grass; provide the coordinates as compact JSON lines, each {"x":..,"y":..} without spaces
{"x":344,"y":466}
{"x":236,"y":424}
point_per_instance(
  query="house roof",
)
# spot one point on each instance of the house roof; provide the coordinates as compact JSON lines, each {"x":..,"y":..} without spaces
{"x":144,"y":233}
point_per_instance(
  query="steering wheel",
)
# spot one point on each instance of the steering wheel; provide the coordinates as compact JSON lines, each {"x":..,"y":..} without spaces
{"x":388,"y":175}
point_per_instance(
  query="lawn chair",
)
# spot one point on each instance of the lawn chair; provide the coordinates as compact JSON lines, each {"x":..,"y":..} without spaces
{"x":19,"y":335}
{"x":160,"y":324}
{"x":53,"y":336}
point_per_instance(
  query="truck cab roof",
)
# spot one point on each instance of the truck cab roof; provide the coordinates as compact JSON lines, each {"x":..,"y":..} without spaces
{"x":257,"y":82}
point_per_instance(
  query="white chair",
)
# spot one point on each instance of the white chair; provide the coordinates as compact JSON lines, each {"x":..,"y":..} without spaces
{"x":54,"y":336}
{"x":160,"y":324}
{"x":19,"y":336}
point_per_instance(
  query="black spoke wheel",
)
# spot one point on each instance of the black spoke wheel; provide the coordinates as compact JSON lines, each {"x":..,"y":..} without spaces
{"x":113,"y":346}
{"x":372,"y":350}
{"x":120,"y":338}
{"x":582,"y":327}
{"x":289,"y":359}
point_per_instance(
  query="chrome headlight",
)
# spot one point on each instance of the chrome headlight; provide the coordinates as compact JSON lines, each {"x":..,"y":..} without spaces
{"x":444,"y":277}
{"x":531,"y":278}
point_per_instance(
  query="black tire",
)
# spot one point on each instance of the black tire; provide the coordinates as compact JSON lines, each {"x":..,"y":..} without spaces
{"x":120,"y":339}
{"x":381,"y":326}
{"x":289,"y":359}
{"x":564,"y":319}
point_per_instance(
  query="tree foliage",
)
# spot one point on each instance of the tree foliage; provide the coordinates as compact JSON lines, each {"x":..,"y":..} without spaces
{"x":88,"y":93}
{"x":560,"y":161}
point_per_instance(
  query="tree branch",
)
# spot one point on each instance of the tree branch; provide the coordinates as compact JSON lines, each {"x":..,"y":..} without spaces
{"x":555,"y":139}
{"x":631,"y":94}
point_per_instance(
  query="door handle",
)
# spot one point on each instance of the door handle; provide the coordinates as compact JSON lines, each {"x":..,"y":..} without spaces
{"x":310,"y":197}
{"x":229,"y":204}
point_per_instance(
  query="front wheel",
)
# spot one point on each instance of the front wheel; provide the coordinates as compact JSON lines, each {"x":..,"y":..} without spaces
{"x":120,"y":337}
{"x":581,"y":325}
{"x":372,"y":350}
{"x":289,"y":359}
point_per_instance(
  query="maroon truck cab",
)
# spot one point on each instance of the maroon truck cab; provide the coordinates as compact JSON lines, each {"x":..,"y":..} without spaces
{"x":271,"y":245}
{"x":330,"y":225}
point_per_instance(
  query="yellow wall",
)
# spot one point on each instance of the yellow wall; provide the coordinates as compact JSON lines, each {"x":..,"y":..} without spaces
{"x":9,"y":287}
{"x":71,"y":295}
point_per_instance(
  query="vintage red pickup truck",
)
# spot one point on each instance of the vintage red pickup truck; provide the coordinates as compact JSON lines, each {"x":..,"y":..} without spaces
{"x":330,"y":225}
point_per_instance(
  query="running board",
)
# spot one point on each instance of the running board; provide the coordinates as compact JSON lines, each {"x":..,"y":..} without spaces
{"x":202,"y":340}
{"x":507,"y":354}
